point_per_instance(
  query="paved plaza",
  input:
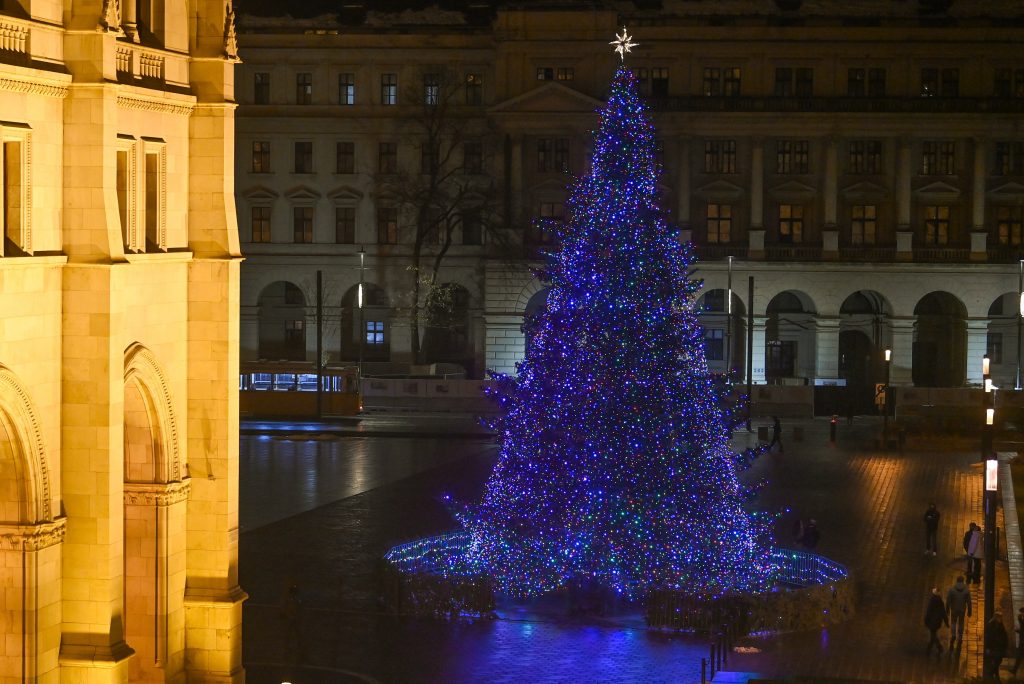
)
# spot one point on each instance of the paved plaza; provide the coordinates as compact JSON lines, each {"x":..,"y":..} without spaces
{"x":318,"y":509}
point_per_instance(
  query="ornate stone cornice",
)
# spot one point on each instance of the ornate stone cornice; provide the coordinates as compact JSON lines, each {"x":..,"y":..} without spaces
{"x":33,"y":87}
{"x":129,"y":102}
{"x":32,"y":537}
{"x":156,"y":493}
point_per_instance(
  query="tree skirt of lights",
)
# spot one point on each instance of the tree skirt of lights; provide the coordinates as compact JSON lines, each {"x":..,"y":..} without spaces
{"x":433,"y":576}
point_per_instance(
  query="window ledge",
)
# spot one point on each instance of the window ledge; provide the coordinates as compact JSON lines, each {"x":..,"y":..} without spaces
{"x":34,"y":261}
{"x":161,"y":257}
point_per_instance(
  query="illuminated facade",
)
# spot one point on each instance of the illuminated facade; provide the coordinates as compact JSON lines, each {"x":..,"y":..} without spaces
{"x":862,"y":162}
{"x":118,"y":352}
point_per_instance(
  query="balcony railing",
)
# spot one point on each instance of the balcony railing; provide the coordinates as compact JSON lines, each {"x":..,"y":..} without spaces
{"x":793,"y":252}
{"x":14,"y":38}
{"x":941,"y":254}
{"x":1005,"y":254}
{"x":872,"y":253}
{"x":883,"y":105}
{"x":711,"y":252}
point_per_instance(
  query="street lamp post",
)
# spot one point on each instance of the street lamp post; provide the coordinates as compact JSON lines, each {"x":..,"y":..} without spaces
{"x":991,"y":489}
{"x":728,"y":323}
{"x":362,"y":323}
{"x":1020,"y":316}
{"x":885,"y":400}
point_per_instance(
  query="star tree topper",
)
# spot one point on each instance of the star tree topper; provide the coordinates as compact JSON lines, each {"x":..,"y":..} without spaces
{"x":623,"y":43}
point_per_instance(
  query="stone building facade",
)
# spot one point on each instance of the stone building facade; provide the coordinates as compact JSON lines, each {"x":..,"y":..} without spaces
{"x":119,"y":286}
{"x":863,"y":163}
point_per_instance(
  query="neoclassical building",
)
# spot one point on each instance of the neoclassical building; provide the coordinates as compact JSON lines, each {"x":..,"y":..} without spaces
{"x":119,"y":285}
{"x":862,"y":162}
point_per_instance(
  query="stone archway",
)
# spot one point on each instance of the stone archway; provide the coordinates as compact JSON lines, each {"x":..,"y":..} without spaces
{"x":367,"y":332}
{"x":155,"y":494}
{"x":537,"y":303}
{"x":790,"y":343}
{"x":30,"y":542}
{"x":940,"y":341}
{"x":446,"y":333}
{"x":725,"y":344}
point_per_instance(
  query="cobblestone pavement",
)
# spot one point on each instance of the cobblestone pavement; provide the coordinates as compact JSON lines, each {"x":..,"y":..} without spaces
{"x":373,"y":492}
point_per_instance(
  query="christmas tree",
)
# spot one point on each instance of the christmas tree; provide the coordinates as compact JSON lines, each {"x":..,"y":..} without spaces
{"x":615,"y":466}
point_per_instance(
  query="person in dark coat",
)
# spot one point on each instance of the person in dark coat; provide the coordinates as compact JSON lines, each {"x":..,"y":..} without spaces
{"x":934,"y":618}
{"x":1020,"y":641}
{"x":931,"y":530}
{"x":974,"y":548}
{"x":776,"y":435}
{"x":958,"y":607}
{"x":997,"y":642}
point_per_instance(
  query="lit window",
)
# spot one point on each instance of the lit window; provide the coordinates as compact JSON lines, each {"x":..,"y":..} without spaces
{"x":304,"y":88}
{"x":791,"y":223}
{"x":866,"y":156}
{"x":260,"y":221}
{"x":792,"y":156}
{"x":719,"y":222}
{"x":938,"y":157}
{"x":346,"y":89}
{"x":375,"y":333}
{"x":720,"y":156}
{"x":389,"y":89}
{"x":1008,"y":225}
{"x":863,"y":224}
{"x":431,"y":90}
{"x":261,"y":156}
{"x":936,"y":225}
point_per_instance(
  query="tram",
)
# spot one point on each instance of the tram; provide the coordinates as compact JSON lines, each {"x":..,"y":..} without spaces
{"x":287,"y":389}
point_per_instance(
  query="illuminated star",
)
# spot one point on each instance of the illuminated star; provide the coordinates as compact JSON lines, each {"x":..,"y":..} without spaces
{"x":623,"y":43}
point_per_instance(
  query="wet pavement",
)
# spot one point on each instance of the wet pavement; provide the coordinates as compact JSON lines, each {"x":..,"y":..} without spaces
{"x":318,"y":511}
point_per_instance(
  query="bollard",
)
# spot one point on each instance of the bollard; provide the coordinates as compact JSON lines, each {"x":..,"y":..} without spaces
{"x":832,"y":428}
{"x":712,"y":660}
{"x":703,"y":670}
{"x":719,"y":652}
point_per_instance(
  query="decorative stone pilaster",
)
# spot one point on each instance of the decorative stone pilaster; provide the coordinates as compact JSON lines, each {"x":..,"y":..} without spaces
{"x":757,"y":349}
{"x":902,"y":335}
{"x":826,"y":345}
{"x":977,"y":346}
{"x":755,"y":248}
{"x":505,"y":343}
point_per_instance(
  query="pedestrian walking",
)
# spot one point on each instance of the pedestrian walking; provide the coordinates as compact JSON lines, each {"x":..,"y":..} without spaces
{"x":996,"y":642}
{"x":931,"y":530}
{"x":776,"y":435}
{"x":958,"y":608}
{"x":973,"y":548}
{"x":810,"y":536}
{"x":934,"y":618}
{"x":1020,"y":641}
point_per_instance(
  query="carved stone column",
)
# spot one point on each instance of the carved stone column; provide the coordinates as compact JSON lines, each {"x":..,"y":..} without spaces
{"x":756,"y":237}
{"x":979,"y":235}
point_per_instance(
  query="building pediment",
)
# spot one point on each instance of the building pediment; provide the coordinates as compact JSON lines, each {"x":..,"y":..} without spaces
{"x":792,"y":192}
{"x":345,"y":193}
{"x":550,"y":97}
{"x":259,"y":193}
{"x":302,"y":193}
{"x":865,"y":190}
{"x":720,"y":190}
{"x":1007,"y":191}
{"x":938,"y":192}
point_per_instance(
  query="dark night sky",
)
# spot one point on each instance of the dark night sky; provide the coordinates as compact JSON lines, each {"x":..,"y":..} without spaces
{"x":313,"y":8}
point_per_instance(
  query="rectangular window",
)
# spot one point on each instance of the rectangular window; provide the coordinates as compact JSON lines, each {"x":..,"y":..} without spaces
{"x":720,"y":156}
{"x":302,"y":224}
{"x":1009,"y":83}
{"x":293,"y":333}
{"x":938,"y":157}
{"x":260,"y":156}
{"x":347,"y":89}
{"x":791,"y":223}
{"x":260,"y":221}
{"x":714,"y":344}
{"x":731,"y":81}
{"x":804,"y":82}
{"x":856,"y":82}
{"x":719,"y":222}
{"x":375,"y":333}
{"x":936,"y":225}
{"x":389,"y":89}
{"x":863,"y":224}
{"x":565,"y":74}
{"x":539,"y":232}
{"x":431,"y":90}
{"x":552,"y":154}
{"x":303,"y":157}
{"x":792,"y":156}
{"x":346,"y":161}
{"x":1009,"y":158}
{"x":712,"y":82}
{"x":474,"y":89}
{"x":783,"y":82}
{"x":876,"y":82}
{"x":345,"y":225}
{"x":387,"y":225}
{"x":472,"y":228}
{"x":303,"y":88}
{"x":940,"y":82}
{"x":1008,"y":225}
{"x":545,"y":74}
{"x":929,"y":82}
{"x":950,"y":85}
{"x":653,"y":81}
{"x":156,"y":237}
{"x":865,"y":156}
{"x":125,"y":195}
{"x":261,"y":88}
{"x":387,"y":157}
{"x":472,"y":157}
